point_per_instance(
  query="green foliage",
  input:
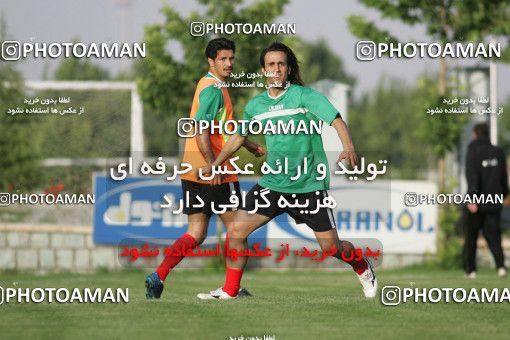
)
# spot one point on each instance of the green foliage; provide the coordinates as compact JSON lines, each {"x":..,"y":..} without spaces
{"x":167,"y":83}
{"x":362,"y":28}
{"x":19,"y":150}
{"x":394,"y":109}
{"x":79,"y":69}
{"x":445,"y":21}
{"x":455,"y":20}
{"x":449,"y":246}
{"x":318,"y":62}
{"x":450,"y":21}
{"x":76,"y":179}
{"x":504,"y":126}
{"x":441,"y":131}
{"x":101,"y":131}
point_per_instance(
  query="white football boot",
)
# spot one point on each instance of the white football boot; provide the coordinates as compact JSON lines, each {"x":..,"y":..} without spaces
{"x":369,"y":282}
{"x":219,"y":294}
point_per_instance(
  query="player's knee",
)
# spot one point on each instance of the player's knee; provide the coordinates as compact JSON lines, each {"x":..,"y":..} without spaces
{"x":230,"y":227}
{"x":237,"y":232}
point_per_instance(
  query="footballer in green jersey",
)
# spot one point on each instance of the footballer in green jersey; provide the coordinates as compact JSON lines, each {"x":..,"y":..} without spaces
{"x":288,"y":99}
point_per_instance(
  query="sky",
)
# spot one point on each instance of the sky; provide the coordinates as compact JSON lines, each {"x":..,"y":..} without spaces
{"x":102,"y":21}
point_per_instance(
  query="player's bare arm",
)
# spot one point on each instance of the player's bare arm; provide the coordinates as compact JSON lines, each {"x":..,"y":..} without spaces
{"x":254,"y":148}
{"x":349,"y":152}
{"x":232,"y":145}
{"x":204,"y":145}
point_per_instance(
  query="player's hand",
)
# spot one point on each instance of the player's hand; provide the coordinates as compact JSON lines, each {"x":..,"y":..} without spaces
{"x":207,"y":171}
{"x":217,"y":179}
{"x":259,"y":151}
{"x":350,"y":156}
{"x":472,"y":207}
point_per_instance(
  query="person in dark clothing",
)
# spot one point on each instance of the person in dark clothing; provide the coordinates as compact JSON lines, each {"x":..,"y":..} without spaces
{"x":486,"y":176}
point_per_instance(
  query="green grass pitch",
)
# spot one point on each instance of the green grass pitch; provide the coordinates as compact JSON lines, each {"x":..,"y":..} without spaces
{"x":288,"y":305}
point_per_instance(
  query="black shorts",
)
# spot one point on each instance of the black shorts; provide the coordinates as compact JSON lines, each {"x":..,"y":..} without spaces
{"x":209,"y":194}
{"x":322,"y":220}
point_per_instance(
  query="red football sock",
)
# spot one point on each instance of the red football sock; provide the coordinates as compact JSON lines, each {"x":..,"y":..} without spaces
{"x":233,"y":281}
{"x":359,"y":266}
{"x":184,"y":243}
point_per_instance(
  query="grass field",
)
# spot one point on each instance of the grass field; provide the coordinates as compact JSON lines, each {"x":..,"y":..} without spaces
{"x":288,"y":305}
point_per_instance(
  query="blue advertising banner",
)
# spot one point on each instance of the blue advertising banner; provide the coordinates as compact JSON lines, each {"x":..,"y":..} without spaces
{"x":131,"y":209}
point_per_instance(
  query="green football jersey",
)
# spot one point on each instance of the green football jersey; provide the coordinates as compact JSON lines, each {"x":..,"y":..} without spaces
{"x":297,"y":103}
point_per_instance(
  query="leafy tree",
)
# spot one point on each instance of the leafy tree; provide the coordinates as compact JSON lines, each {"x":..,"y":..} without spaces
{"x":446,"y":21}
{"x":167,"y":84}
{"x":103,"y":129}
{"x":401,"y":143}
{"x":18,"y":134}
{"x":318,"y":61}
{"x":504,"y":127}
{"x":79,"y":69}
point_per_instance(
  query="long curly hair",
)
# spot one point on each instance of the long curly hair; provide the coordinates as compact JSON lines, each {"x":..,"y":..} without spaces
{"x":294,"y":76}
